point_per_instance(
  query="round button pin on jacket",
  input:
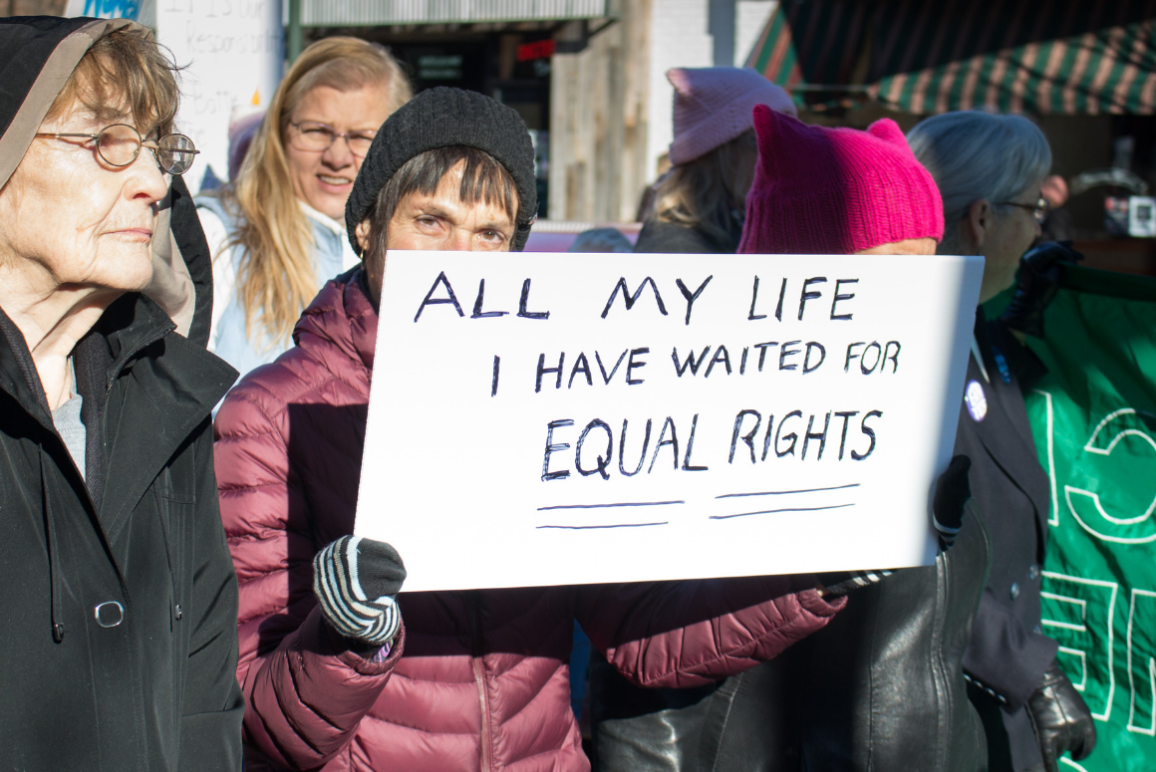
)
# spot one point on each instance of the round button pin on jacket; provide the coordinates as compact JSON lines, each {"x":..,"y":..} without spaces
{"x":975,"y":400}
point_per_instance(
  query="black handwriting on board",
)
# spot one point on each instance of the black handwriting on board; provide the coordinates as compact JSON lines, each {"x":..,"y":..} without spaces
{"x":631,"y":298}
{"x":806,"y":295}
{"x":430,"y":300}
{"x":450,"y":298}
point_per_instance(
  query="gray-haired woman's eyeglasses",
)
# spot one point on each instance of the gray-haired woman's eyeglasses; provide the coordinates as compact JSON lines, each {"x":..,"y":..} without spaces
{"x":119,"y":145}
{"x":1040,"y":210}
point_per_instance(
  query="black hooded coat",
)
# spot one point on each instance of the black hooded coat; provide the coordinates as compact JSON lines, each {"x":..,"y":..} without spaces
{"x":118,"y":600}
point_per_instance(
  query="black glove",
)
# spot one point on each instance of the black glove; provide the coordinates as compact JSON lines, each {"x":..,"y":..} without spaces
{"x":356,"y":581}
{"x":951,"y":493}
{"x":1037,"y":283}
{"x":1060,"y":718}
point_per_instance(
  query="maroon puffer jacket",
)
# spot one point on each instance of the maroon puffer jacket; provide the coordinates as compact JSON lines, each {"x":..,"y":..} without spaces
{"x":483,"y":683}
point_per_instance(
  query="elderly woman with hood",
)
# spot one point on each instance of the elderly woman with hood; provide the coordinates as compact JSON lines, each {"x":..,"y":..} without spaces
{"x":119,"y":601}
{"x":473,"y":680}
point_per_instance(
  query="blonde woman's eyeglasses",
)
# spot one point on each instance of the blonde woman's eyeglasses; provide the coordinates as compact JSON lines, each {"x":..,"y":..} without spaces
{"x":318,"y":137}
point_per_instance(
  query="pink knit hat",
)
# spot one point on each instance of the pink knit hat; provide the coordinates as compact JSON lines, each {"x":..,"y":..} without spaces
{"x":836,"y":191}
{"x":712,"y":106}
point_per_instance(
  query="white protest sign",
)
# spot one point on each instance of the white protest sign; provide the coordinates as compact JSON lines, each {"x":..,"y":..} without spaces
{"x":544,"y":419}
{"x":231,"y":51}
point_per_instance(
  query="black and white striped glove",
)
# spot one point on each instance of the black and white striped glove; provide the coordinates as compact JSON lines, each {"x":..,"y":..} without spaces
{"x":842,"y":582}
{"x":356,"y":581}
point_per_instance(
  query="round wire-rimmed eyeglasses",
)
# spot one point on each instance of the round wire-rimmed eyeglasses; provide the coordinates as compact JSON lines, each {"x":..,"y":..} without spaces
{"x":119,"y":145}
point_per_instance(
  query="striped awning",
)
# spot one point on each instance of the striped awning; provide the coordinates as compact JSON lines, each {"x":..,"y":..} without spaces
{"x":1034,"y":56}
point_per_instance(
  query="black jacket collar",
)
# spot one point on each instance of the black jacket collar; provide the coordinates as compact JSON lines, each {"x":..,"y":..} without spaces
{"x":145,"y":390}
{"x":161,"y":386}
{"x":18,"y":376}
{"x":1014,"y":450}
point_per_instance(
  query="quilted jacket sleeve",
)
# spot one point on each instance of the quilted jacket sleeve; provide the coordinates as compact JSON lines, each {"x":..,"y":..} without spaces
{"x":680,"y":634}
{"x":305,"y":694}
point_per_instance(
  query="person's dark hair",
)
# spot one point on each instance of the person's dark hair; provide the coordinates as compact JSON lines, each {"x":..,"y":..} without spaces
{"x":601,"y":240}
{"x":483,"y":180}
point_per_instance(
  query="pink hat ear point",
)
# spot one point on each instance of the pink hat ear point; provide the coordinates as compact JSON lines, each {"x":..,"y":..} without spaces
{"x":888,"y":131}
{"x":679,"y":78}
{"x":763,"y":118}
{"x":765,"y":123}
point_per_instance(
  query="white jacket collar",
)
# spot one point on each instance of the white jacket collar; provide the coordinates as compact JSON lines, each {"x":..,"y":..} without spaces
{"x":323,"y":219}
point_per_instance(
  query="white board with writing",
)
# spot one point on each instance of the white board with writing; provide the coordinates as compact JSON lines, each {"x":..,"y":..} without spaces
{"x":231,"y":55}
{"x":546,"y":419}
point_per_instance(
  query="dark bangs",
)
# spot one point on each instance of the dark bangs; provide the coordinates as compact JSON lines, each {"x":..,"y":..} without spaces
{"x":484,"y":180}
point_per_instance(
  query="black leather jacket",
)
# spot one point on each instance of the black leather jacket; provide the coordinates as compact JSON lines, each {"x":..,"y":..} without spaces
{"x":880,"y":688}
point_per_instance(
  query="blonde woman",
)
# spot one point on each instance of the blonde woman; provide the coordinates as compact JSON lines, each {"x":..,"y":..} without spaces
{"x":698,"y":205}
{"x":277,"y":233}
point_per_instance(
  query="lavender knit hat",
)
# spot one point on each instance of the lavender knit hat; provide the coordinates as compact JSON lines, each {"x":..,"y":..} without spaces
{"x":712,"y":106}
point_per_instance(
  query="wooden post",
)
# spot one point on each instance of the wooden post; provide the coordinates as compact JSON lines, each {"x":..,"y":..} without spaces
{"x":598,"y":121}
{"x":293,"y":47}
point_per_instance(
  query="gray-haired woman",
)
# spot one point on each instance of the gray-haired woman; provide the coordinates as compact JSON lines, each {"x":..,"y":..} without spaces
{"x":989,"y":169}
{"x":119,"y":603}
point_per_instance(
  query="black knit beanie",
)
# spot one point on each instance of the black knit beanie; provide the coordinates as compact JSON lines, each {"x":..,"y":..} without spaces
{"x":447,"y":117}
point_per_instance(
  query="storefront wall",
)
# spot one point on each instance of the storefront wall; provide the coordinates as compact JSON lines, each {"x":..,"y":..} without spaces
{"x":599,"y":107}
{"x":599,"y":162}
{"x":611,"y":103}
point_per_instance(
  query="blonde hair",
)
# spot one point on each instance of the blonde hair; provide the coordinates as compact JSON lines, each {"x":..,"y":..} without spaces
{"x":276,"y":277}
{"x":124,"y":69}
{"x":701,"y":193}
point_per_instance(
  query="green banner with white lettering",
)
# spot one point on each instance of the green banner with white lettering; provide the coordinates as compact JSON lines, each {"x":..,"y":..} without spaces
{"x":1094,"y":420}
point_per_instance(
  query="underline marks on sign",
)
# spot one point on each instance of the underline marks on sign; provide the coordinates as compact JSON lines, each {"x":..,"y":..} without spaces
{"x":590,"y":527}
{"x":607,"y":506}
{"x":784,"y":493}
{"x":784,"y":509}
{"x":622,"y":504}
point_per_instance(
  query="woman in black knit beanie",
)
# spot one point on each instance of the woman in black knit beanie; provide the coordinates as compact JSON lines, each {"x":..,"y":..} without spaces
{"x":347,"y":675}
